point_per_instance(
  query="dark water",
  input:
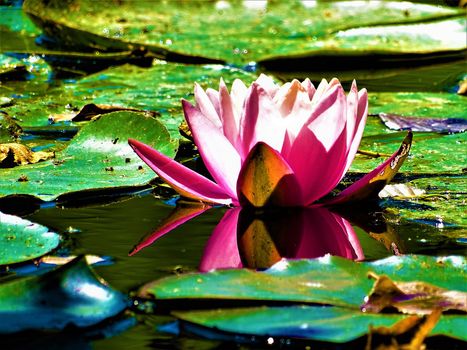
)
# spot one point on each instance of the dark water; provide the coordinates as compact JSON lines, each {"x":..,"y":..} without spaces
{"x":112,"y":230}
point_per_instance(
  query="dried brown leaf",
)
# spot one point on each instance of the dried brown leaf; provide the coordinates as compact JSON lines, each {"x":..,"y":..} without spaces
{"x":413,"y":328}
{"x":13,"y":154}
{"x":412,"y":297}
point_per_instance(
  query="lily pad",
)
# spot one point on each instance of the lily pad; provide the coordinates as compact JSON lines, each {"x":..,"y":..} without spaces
{"x":378,"y":47}
{"x":419,"y":104}
{"x":238,"y":32}
{"x":330,"y":324}
{"x":158,"y":88}
{"x":443,"y":205}
{"x":98,"y":157}
{"x":430,"y":153}
{"x":69,"y":295}
{"x":307,"y":281}
{"x":22,"y":240}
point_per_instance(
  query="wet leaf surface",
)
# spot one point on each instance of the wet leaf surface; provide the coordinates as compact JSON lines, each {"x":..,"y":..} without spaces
{"x":420,"y":104}
{"x":322,"y":323}
{"x":158,"y":89}
{"x":238,"y":32}
{"x":307,"y":281}
{"x":98,"y":157}
{"x":70,"y":295}
{"x":22,"y":240}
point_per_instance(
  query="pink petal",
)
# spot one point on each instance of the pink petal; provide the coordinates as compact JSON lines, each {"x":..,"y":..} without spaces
{"x":360,"y":118}
{"x":267,"y":84}
{"x":238,"y":96}
{"x":218,"y":154}
{"x":205,"y":106}
{"x":221,"y":251}
{"x":292,"y":100}
{"x":370,"y":184}
{"x":179,"y":216}
{"x":318,"y":154}
{"x":214,"y":98}
{"x":185,"y":181}
{"x":309,"y":88}
{"x":229,"y":117}
{"x":260,"y":121}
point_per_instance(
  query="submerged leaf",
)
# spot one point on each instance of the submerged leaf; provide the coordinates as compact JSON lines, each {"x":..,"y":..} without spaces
{"x":412,"y":297}
{"x":442,"y":125}
{"x":13,"y":154}
{"x":69,"y":295}
{"x":22,"y":240}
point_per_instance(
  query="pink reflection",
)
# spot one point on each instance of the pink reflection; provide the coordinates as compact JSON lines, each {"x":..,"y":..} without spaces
{"x":258,"y":239}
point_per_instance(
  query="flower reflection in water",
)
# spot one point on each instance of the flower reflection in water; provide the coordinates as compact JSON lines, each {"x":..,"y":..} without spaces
{"x":259,"y":238}
{"x":255,"y":239}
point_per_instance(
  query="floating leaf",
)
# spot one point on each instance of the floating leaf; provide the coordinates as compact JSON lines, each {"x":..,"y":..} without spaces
{"x":443,"y":205}
{"x":98,"y":157}
{"x":412,"y":297}
{"x":332,"y":324}
{"x":307,"y":281}
{"x":157,"y":89}
{"x":9,"y":129}
{"x":69,"y":295}
{"x":444,"y":125}
{"x":421,"y":104}
{"x":238,"y":32}
{"x":90,"y":112}
{"x":400,"y":191}
{"x":13,"y":154}
{"x":377,"y":47}
{"x":22,"y":240}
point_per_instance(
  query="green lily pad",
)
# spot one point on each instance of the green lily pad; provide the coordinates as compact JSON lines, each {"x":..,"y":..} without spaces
{"x":308,"y":281}
{"x":430,"y":152}
{"x":236,"y":32}
{"x":418,"y":104}
{"x":98,"y":157}
{"x":70,"y":295}
{"x":442,"y":206}
{"x":15,"y":20}
{"x":22,"y":240}
{"x":330,"y":324}
{"x":379,"y":46}
{"x":158,"y":88}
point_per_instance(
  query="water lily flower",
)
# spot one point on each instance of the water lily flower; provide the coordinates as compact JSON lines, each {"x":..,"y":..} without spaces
{"x":267,"y":144}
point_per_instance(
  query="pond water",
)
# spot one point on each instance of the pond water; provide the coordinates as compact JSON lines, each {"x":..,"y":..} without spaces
{"x":111,"y":226}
